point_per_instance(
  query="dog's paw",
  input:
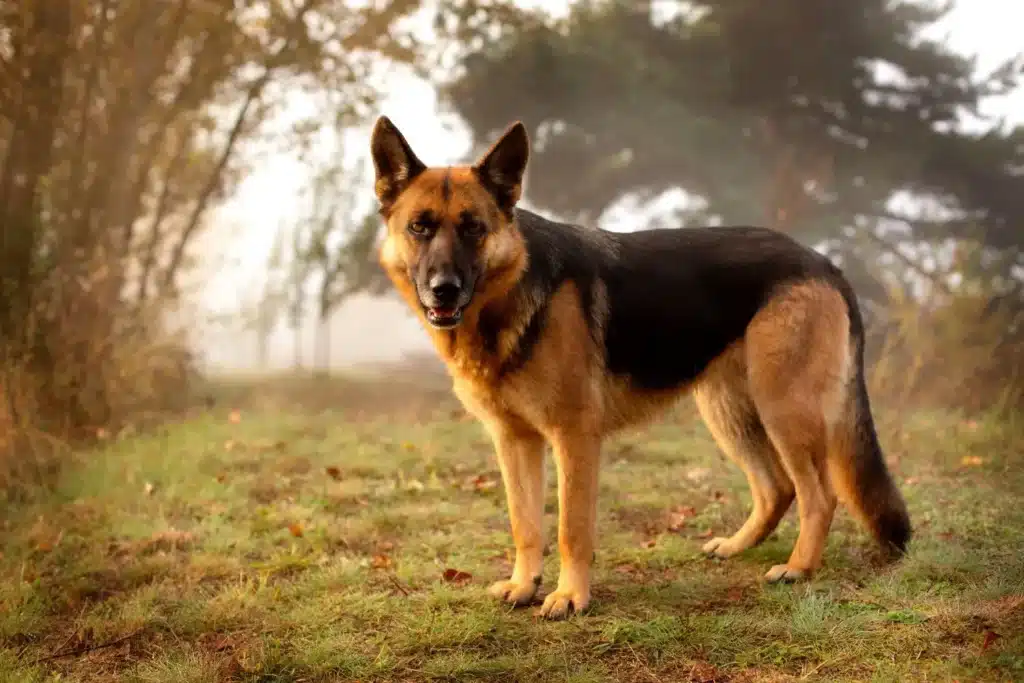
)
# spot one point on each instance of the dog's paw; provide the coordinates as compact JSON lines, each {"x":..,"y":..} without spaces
{"x":720,"y":548}
{"x":516,"y":592}
{"x":783,"y":573}
{"x":563,"y":603}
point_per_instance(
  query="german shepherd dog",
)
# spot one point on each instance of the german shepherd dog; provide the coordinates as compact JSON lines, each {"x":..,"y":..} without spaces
{"x":559,"y":334}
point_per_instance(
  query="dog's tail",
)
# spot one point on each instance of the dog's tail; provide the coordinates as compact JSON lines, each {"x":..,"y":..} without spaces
{"x":857,"y":465}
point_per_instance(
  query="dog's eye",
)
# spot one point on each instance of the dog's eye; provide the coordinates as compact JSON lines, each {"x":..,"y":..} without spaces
{"x":419,"y":228}
{"x":473,"y":229}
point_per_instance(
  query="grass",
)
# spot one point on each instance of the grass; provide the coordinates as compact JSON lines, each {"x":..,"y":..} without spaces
{"x":300,"y":542}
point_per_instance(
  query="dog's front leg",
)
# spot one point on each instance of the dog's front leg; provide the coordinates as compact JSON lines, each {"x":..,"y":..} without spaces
{"x":577,"y":456}
{"x":520,"y":452}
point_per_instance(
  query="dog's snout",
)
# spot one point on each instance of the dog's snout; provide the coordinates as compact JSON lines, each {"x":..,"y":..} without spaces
{"x":445,"y":287}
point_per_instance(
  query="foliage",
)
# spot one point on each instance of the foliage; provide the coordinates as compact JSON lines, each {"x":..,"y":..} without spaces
{"x":122,"y":124}
{"x":811,"y":116}
{"x":329,"y":247}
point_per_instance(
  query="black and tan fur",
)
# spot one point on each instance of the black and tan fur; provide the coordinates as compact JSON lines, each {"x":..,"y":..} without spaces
{"x":560,"y":335}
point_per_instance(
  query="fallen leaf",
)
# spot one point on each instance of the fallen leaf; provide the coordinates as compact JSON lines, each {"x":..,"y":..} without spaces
{"x":334,"y":473}
{"x":295,"y":529}
{"x":720,"y":497}
{"x":482,"y":482}
{"x":456,"y":576}
{"x":235,"y":416}
{"x":221,"y":478}
{"x":734,"y":594}
{"x":649,"y":543}
{"x":705,"y":534}
{"x":990,"y":638}
{"x":381,"y":562}
{"x":678,"y":516}
{"x":971,"y":460}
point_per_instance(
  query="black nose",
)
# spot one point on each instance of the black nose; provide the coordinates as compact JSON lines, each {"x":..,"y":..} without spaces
{"x":445,"y":289}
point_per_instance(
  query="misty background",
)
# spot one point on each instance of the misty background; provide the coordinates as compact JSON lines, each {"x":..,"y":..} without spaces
{"x":184,"y":185}
{"x":370,"y":329}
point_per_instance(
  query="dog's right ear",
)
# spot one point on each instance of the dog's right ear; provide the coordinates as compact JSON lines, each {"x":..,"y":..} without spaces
{"x":394,"y":162}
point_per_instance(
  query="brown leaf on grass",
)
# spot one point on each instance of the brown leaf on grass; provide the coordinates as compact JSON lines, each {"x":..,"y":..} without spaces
{"x":707,"y":533}
{"x":381,"y":562}
{"x":649,"y":543}
{"x":295,"y":529}
{"x":456,"y":576}
{"x":222,"y":477}
{"x":677,"y":517}
{"x":734,"y":594}
{"x":720,"y":497}
{"x":482,"y":482}
{"x":990,"y":638}
{"x":334,"y":473}
{"x":235,"y":416}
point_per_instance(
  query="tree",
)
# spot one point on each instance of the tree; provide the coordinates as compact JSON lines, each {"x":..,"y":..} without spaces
{"x":813,"y":116}
{"x":112,"y":156}
{"x":332,"y":248}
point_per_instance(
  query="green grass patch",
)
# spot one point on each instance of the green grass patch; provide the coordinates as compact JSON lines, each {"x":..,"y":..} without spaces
{"x":310,"y":545}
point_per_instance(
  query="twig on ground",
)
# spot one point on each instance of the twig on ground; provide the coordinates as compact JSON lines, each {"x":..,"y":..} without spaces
{"x":82,"y":650}
{"x":398,"y":585}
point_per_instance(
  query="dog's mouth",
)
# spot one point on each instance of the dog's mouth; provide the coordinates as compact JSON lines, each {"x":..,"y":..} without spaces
{"x":444,"y":318}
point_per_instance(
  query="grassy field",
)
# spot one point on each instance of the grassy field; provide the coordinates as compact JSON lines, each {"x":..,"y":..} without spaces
{"x":349,"y":534}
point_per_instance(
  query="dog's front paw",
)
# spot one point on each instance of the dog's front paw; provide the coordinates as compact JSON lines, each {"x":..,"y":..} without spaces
{"x":783,"y":573}
{"x":562,"y":603}
{"x":720,"y":548}
{"x":518,"y":593}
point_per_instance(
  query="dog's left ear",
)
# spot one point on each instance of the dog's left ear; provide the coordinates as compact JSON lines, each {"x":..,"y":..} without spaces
{"x":502,"y":167}
{"x":394,"y":162}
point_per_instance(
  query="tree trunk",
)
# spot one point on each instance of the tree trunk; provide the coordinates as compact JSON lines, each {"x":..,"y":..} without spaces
{"x":40,"y":46}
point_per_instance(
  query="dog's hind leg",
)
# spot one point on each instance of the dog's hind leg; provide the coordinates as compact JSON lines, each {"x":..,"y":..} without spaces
{"x":799,"y":363}
{"x":724,"y":402}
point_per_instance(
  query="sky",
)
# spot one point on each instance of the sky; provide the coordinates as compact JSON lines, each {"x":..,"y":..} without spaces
{"x":368,"y":330}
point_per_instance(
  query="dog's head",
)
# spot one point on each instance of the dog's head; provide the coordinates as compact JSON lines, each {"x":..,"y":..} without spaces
{"x":451,"y":233}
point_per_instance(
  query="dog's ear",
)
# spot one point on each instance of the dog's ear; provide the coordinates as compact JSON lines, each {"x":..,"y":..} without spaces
{"x":394,"y":162}
{"x":502,"y":167}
